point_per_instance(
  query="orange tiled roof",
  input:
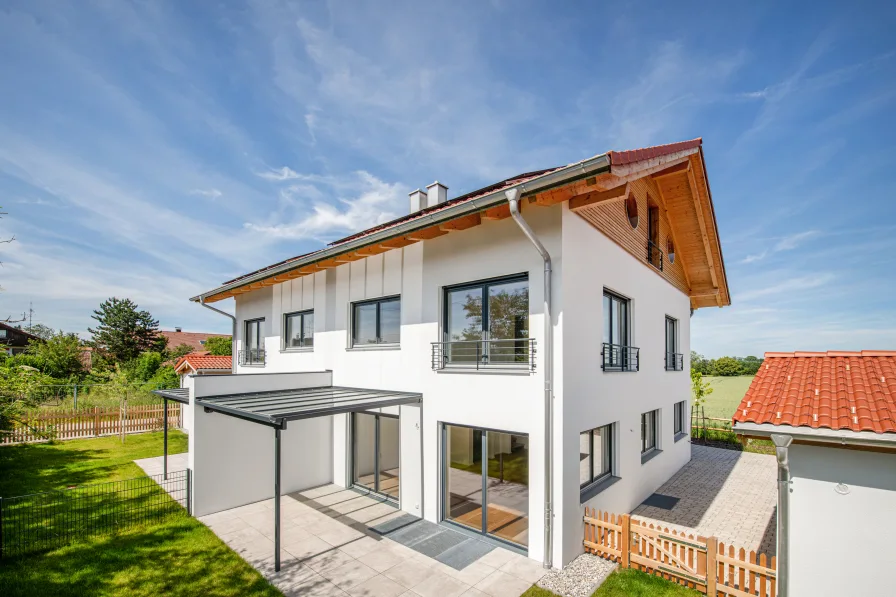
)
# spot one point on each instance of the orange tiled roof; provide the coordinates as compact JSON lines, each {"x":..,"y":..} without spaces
{"x":834,"y":390}
{"x":204,"y":361}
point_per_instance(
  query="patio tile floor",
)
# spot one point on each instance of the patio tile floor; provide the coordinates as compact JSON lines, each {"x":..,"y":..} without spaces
{"x":336,"y":542}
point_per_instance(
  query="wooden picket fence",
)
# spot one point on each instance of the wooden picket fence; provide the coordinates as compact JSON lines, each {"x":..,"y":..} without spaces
{"x":701,"y":563}
{"x":93,"y":422}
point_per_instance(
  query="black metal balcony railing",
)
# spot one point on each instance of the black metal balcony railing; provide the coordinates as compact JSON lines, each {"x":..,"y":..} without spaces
{"x":654,"y":255}
{"x":252,"y":356}
{"x":615,"y":357}
{"x":517,"y":353}
{"x":674,"y":361}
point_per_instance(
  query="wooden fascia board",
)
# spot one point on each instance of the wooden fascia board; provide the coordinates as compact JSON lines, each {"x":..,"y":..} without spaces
{"x":500,"y":212}
{"x":653,"y":165}
{"x":700,"y":164}
{"x":676,"y":169}
{"x":582,"y":201}
{"x":698,"y":206}
{"x":461,"y":223}
{"x":397,"y":243}
{"x":427,"y":233}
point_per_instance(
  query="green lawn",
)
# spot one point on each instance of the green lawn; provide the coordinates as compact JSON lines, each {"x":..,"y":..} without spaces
{"x":179,"y":556}
{"x":727,"y":392}
{"x":629,"y":583}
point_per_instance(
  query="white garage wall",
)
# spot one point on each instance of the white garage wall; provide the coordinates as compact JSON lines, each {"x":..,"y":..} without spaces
{"x":841,"y":544}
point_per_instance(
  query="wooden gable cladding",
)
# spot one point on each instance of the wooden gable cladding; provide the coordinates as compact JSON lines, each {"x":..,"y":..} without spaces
{"x":609,"y":217}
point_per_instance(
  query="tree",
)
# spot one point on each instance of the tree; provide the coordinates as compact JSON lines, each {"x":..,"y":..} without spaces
{"x":41,"y":331}
{"x":19,"y":393}
{"x":178,"y":351}
{"x":219,"y":345}
{"x":751,"y":365}
{"x":124,"y":332}
{"x":699,"y":363}
{"x":699,"y":388}
{"x":142,"y":368}
{"x":60,"y":355}
{"x":164,"y":378}
{"x":727,"y":367}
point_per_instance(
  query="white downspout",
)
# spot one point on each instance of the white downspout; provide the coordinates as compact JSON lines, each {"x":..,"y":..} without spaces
{"x":513,"y":200}
{"x":233,"y":354}
{"x":782,"y":442}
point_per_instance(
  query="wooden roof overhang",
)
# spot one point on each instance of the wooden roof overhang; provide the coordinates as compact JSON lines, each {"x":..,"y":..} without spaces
{"x":683,"y":189}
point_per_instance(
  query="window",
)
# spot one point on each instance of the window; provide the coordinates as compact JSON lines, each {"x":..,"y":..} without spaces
{"x":2,"y":333}
{"x":253,"y":344}
{"x":299,"y":330}
{"x":595,"y":455}
{"x":488,"y":322}
{"x":654,"y":254}
{"x":617,"y":354}
{"x":631,"y":210}
{"x":680,"y":418}
{"x":674,"y":360}
{"x":376,"y":322}
{"x":649,"y":421}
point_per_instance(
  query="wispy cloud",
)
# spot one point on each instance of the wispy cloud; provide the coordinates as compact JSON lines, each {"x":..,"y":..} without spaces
{"x":786,"y":243}
{"x":279,"y":174}
{"x":790,"y":285}
{"x":210,"y":193}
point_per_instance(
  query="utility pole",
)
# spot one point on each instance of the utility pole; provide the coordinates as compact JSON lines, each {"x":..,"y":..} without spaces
{"x":30,"y":315}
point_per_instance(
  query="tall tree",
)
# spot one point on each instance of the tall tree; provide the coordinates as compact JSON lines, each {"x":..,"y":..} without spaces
{"x":60,"y":355}
{"x":41,"y":331}
{"x":124,"y":331}
{"x":219,"y":345}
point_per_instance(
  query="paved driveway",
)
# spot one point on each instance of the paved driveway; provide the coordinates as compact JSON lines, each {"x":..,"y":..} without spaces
{"x":338,"y":542}
{"x":726,"y":493}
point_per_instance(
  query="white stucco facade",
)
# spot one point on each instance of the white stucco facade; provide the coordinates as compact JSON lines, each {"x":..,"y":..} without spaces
{"x":842,"y":521}
{"x":585,"y":397}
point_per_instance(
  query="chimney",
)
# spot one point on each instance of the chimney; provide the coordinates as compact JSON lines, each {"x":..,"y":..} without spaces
{"x":418,"y":200}
{"x":436,"y":193}
{"x":176,"y":329}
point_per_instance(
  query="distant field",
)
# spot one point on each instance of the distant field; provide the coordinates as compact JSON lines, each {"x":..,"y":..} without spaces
{"x":726,"y":395}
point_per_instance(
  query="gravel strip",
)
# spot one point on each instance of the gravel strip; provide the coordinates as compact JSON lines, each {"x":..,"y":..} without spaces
{"x":580,"y":578}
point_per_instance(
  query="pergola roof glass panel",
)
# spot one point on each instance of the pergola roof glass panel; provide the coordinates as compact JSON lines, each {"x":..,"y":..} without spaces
{"x":181,"y":395}
{"x":277,"y":407}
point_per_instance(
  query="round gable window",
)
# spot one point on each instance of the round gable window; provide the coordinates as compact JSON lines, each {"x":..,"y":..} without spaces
{"x":631,"y":210}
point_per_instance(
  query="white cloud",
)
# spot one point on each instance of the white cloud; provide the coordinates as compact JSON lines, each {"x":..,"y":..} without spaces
{"x":210,"y":193}
{"x":364,"y":200}
{"x":789,"y":285}
{"x":279,"y":174}
{"x":786,"y":243}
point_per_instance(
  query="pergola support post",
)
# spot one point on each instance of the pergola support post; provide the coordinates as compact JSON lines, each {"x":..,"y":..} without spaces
{"x":277,"y":499}
{"x":165,"y":431}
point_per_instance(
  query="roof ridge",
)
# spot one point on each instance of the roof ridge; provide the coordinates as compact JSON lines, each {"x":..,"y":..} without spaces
{"x":831,"y":353}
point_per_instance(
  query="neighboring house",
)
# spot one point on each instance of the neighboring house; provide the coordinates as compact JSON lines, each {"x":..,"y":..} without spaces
{"x":434,"y":325}
{"x":195,"y":340}
{"x":15,"y":340}
{"x":202,"y":364}
{"x":833,"y":417}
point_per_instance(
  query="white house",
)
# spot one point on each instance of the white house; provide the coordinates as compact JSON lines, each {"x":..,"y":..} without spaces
{"x":832,"y":417}
{"x":491,"y":361}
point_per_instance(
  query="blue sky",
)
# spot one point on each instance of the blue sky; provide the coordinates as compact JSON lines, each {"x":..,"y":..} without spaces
{"x":155,"y":149}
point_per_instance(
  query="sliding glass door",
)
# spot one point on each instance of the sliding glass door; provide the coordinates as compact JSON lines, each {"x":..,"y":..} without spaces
{"x":375,"y":453}
{"x":487,"y":482}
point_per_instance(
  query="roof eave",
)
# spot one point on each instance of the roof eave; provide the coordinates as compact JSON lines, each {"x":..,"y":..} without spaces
{"x":552,"y":179}
{"x":820,"y":434}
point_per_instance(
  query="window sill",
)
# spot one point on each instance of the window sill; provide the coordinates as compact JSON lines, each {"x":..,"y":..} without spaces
{"x":668,"y":369}
{"x":363,"y":348}
{"x":253,"y":365}
{"x":589,"y":491}
{"x":648,"y":456}
{"x":618,"y":370}
{"x":681,"y":435}
{"x":301,"y":349}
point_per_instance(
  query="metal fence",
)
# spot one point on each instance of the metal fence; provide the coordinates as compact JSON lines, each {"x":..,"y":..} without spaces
{"x":44,"y":521}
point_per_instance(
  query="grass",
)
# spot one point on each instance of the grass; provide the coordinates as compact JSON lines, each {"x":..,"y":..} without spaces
{"x":29,"y":468}
{"x":727,"y":392}
{"x":179,"y":556}
{"x":629,"y":583}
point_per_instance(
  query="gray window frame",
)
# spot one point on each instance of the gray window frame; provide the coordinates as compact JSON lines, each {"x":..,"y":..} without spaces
{"x":611,"y":449}
{"x":679,"y":420}
{"x":655,"y":424}
{"x":378,"y":302}
{"x":301,"y":315}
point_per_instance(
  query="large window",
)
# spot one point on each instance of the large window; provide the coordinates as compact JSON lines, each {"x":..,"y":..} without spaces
{"x":299,"y":329}
{"x":488,"y":322}
{"x":595,"y":455}
{"x":376,"y":322}
{"x":649,"y":422}
{"x":618,"y":355}
{"x":680,"y":418}
{"x":253,"y":348}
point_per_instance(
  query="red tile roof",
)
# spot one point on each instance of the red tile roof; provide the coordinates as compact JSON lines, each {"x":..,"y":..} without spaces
{"x":620,"y":158}
{"x":836,"y":390}
{"x":617,"y":158}
{"x":204,"y":361}
{"x":193,"y":339}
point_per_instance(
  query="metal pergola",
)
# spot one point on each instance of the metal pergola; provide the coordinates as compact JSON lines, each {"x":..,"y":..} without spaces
{"x":181,"y":395}
{"x":276,"y":408}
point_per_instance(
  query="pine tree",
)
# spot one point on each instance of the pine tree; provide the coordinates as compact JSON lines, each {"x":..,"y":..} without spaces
{"x":124,"y":332}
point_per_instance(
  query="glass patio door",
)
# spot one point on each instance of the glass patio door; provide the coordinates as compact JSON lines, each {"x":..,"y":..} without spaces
{"x":375,"y":453}
{"x":487,"y":482}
